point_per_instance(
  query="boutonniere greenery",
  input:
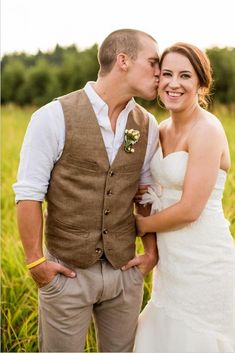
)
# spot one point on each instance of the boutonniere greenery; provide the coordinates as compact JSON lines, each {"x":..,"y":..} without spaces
{"x":131,"y":137}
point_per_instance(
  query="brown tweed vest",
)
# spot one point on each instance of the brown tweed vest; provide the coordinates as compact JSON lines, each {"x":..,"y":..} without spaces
{"x":90,"y":203}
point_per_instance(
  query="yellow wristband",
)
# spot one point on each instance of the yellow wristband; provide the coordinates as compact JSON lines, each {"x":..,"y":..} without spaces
{"x":37,"y":262}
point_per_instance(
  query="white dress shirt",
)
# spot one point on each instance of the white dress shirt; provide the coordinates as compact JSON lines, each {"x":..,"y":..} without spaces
{"x":44,"y":142}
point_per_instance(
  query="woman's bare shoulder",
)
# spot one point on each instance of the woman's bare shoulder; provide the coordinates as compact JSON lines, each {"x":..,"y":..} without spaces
{"x":208,"y":127}
{"x":164,"y":124}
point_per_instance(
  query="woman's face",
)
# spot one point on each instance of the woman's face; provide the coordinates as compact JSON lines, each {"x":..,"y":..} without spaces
{"x":178,"y":86}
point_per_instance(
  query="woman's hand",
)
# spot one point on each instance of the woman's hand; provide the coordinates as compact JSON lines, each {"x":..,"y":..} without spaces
{"x":142,"y":189}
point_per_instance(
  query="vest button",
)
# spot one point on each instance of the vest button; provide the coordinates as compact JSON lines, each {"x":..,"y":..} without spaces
{"x":106,"y":212}
{"x":109,"y":192}
{"x":105,"y":231}
{"x":98,"y":250}
{"x":111,"y":173}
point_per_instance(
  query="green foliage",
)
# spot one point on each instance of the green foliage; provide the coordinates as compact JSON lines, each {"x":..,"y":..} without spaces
{"x":37,"y":79}
{"x":223,"y":65}
{"x":41,"y":84}
{"x":19,"y":294}
{"x":13,"y":78}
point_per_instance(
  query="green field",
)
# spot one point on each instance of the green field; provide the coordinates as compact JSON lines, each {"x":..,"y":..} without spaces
{"x":19,"y":294}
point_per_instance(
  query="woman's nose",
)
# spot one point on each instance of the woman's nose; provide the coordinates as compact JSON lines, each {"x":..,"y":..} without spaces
{"x":174,"y":82}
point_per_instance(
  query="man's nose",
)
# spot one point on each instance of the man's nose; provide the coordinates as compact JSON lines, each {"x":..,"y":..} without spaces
{"x":157,"y":71}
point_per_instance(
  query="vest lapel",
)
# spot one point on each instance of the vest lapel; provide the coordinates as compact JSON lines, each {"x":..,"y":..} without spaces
{"x":91,"y":117}
{"x":135,"y":121}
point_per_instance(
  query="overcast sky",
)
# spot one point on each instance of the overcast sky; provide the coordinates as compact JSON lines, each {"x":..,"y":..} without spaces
{"x":29,"y":25}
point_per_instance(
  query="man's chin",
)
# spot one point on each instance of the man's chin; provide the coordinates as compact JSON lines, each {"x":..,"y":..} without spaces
{"x":147,"y":95}
{"x":150,"y":97}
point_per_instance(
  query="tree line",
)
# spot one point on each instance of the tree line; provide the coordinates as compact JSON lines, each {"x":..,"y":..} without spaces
{"x":37,"y":79}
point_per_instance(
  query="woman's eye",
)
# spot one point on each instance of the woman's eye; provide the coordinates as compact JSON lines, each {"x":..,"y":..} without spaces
{"x":185,"y":76}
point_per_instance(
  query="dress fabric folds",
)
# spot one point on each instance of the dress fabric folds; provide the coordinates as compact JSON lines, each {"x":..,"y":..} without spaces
{"x":192,"y":306}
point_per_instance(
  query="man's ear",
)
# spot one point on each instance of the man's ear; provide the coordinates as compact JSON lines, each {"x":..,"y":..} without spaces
{"x":122,"y":61}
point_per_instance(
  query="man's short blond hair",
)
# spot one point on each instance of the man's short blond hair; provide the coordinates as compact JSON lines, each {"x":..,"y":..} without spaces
{"x":126,"y":41}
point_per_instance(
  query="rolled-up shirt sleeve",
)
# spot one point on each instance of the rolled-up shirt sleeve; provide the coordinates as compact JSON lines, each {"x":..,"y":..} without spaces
{"x":42,"y":147}
{"x":153,"y":138}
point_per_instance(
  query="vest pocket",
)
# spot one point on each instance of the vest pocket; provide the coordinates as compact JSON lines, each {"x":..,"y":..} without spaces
{"x":61,"y":226}
{"x":129,"y":168}
{"x":82,"y":164}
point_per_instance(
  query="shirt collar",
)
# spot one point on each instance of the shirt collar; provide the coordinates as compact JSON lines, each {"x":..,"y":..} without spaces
{"x":98,"y":104}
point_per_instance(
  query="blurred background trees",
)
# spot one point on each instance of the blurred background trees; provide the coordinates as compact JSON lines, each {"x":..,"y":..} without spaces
{"x":223,"y":65}
{"x":37,"y":79}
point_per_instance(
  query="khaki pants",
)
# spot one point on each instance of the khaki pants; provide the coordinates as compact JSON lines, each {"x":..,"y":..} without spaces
{"x":66,"y":306}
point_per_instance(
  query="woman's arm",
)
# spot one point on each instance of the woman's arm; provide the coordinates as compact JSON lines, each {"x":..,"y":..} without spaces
{"x":205,"y":148}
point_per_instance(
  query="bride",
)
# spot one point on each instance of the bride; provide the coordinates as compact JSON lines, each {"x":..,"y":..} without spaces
{"x":192,"y":307}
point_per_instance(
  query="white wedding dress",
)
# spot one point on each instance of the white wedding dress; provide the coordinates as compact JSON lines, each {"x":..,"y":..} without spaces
{"x":192,"y":306}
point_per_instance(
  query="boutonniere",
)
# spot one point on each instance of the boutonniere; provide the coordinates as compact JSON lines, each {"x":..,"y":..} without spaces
{"x":131,"y":137}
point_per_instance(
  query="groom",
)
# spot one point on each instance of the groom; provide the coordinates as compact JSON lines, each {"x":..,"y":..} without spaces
{"x":75,"y":155}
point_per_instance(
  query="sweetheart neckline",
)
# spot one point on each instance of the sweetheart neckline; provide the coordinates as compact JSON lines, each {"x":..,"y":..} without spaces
{"x":164,"y":157}
{"x":182,"y":151}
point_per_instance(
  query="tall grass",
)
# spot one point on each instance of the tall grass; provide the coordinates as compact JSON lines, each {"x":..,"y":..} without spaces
{"x":19,"y":294}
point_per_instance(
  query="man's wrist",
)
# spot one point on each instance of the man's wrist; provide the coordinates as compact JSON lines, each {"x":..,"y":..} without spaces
{"x":36,"y":262}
